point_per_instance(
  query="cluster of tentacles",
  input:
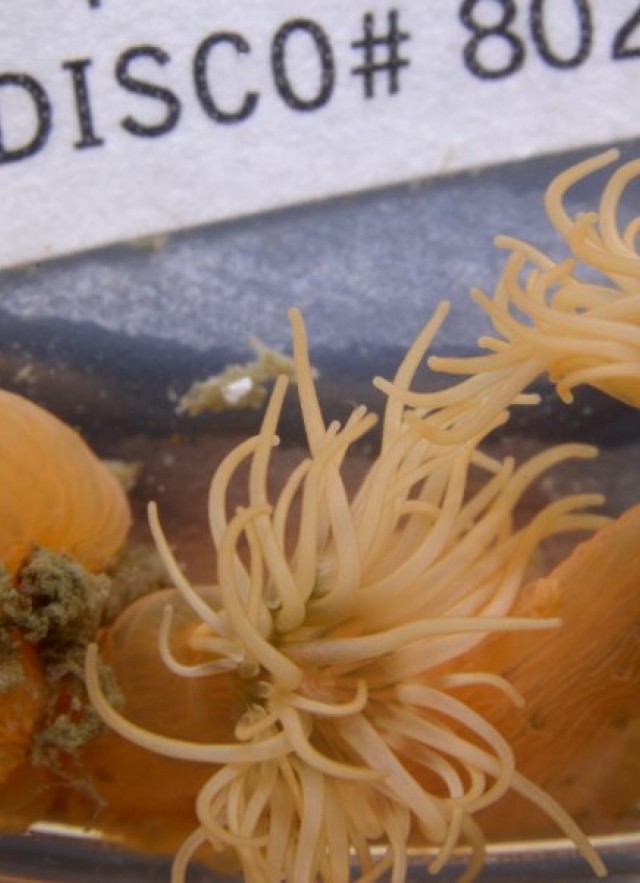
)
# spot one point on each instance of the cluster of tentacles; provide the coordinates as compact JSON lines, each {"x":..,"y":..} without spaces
{"x":341,"y":619}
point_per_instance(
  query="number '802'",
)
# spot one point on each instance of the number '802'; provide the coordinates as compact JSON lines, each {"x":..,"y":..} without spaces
{"x":473,"y":14}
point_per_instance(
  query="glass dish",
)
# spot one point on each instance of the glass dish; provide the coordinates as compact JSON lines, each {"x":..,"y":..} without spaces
{"x":110,"y":340}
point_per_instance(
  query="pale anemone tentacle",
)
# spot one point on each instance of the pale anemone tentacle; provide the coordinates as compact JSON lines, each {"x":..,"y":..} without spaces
{"x":257,"y":609}
{"x":333,"y":709}
{"x":631,"y":232}
{"x":392,"y":425}
{"x":586,"y":244}
{"x":334,"y":651}
{"x":217,"y":500}
{"x":291,"y":612}
{"x":488,"y":409}
{"x":285,"y":673}
{"x":435,"y":700}
{"x":472,"y":539}
{"x":293,"y":726}
{"x":170,"y":747}
{"x":338,"y":510}
{"x":533,"y":303}
{"x":557,"y":190}
{"x":306,"y":574}
{"x":191,"y":670}
{"x":179,"y":580}
{"x":594,"y":376}
{"x":282,"y":509}
{"x":369,"y":744}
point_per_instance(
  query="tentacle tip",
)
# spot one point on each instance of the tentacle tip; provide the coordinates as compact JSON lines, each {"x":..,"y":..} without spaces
{"x":437,"y":865}
{"x":564,"y":394}
{"x":601,"y":870}
{"x":612,"y":154}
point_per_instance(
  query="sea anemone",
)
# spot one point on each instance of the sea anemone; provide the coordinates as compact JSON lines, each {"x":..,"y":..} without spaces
{"x":578,"y":320}
{"x":55,"y":491}
{"x":338,"y":622}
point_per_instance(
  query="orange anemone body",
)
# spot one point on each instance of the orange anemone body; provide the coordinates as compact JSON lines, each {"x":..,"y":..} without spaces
{"x":21,"y":705}
{"x":577,"y":735}
{"x":55,"y":491}
{"x":149,"y":799}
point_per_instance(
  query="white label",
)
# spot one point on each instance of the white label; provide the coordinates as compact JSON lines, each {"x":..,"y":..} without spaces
{"x":123,"y":119}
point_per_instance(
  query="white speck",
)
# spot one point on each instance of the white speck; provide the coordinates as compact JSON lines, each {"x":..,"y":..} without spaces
{"x":237,"y":390}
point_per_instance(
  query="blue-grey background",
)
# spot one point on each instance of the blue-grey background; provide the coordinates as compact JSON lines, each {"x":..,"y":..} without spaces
{"x":112,"y":337}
